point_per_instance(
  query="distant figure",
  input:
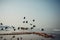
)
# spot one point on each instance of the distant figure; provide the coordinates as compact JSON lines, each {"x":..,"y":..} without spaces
{"x":42,"y":29}
{"x":24,"y":17}
{"x":1,"y":23}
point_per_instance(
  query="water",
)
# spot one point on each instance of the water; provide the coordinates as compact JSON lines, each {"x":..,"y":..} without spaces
{"x":28,"y":37}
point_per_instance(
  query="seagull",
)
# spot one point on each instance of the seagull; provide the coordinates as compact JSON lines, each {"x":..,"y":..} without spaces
{"x":26,"y":21}
{"x":18,"y":28}
{"x":24,"y":17}
{"x":33,"y":20}
{"x":31,"y":27}
{"x":34,"y":26}
{"x":42,"y":29}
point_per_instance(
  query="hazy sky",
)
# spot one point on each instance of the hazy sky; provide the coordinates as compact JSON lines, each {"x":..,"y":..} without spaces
{"x":45,"y":12}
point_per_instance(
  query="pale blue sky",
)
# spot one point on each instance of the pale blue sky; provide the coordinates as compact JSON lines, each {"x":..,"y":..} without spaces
{"x":46,"y":12}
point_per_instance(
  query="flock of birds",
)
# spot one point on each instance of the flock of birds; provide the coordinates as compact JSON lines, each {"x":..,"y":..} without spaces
{"x":22,"y":28}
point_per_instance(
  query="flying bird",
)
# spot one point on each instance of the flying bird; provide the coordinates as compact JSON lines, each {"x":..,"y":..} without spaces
{"x":24,"y":17}
{"x":42,"y":29}
{"x":33,"y":20}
